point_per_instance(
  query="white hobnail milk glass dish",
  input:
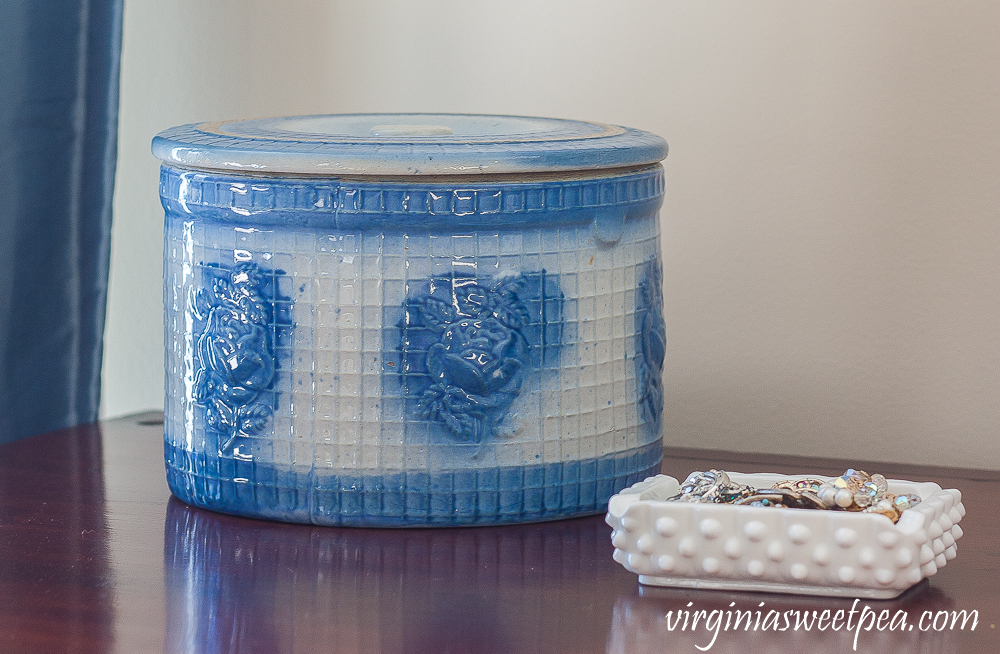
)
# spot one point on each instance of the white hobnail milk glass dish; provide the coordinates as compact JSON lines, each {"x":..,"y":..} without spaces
{"x":782,"y":550}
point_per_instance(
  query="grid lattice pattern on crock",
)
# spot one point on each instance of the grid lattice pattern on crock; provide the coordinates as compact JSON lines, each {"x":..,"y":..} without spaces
{"x":342,"y":425}
{"x":339,"y":400}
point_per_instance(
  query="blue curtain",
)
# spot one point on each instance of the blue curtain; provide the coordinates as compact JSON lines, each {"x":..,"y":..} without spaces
{"x":59,"y":64}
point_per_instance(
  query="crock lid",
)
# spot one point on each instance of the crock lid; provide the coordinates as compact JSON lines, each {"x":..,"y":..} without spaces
{"x":406,"y":144}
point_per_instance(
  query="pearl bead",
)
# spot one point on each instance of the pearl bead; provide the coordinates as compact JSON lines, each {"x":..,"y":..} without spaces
{"x":827,"y":495}
{"x":844,"y":498}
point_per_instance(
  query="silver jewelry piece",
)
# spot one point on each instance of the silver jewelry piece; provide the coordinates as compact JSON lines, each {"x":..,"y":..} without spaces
{"x":712,"y":487}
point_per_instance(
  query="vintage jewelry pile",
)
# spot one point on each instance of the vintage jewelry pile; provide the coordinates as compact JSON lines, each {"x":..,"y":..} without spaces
{"x":855,"y":490}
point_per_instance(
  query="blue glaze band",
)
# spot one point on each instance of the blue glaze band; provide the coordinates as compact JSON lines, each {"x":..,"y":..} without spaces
{"x":491,"y":496}
{"x":412,"y":204}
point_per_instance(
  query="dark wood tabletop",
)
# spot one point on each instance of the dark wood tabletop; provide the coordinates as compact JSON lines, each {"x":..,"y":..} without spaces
{"x":96,"y":556}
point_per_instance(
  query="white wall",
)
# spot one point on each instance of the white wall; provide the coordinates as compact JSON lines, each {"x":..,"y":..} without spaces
{"x":831,"y":227}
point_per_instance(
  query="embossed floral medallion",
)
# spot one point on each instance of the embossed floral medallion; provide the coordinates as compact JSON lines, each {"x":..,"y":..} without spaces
{"x":235,"y":351}
{"x":651,"y":343}
{"x":477,"y":355}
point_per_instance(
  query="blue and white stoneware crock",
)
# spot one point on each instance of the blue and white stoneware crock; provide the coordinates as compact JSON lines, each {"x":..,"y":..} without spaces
{"x":411,"y":319}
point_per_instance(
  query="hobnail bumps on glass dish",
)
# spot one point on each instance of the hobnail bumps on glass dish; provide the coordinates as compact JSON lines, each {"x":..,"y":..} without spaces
{"x":804,"y":551}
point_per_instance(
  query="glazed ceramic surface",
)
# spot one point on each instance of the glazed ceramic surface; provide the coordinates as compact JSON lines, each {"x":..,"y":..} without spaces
{"x":802,"y":551}
{"x":411,"y":320}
